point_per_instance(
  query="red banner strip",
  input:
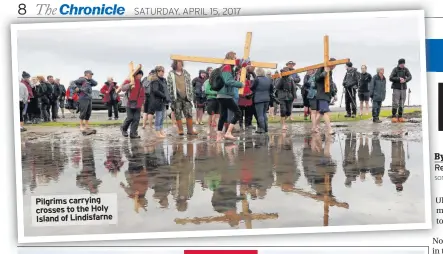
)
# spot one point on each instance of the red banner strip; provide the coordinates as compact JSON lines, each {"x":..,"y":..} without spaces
{"x":221,"y":252}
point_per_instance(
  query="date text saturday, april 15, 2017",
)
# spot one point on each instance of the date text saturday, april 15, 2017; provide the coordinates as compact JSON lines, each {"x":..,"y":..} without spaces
{"x":142,"y":11}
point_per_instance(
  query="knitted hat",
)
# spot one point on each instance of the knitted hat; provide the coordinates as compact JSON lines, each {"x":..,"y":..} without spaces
{"x":25,"y":75}
{"x":349,"y":64}
{"x":401,"y":61}
{"x":139,"y":72}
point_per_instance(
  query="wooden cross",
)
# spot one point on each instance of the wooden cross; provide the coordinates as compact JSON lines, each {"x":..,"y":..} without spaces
{"x":132,"y":71}
{"x":326,"y":63}
{"x":237,"y":217}
{"x":326,"y":199}
{"x":246,"y":53}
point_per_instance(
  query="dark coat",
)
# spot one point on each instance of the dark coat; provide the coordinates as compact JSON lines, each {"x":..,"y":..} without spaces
{"x":158,"y":96}
{"x":262,"y":88}
{"x":395,"y":76}
{"x":363,"y":86}
{"x":377,"y":88}
{"x":351,"y":79}
{"x":320,"y":76}
{"x":286,"y":89}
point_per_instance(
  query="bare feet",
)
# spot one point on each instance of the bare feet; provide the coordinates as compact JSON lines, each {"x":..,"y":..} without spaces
{"x":159,"y":134}
{"x":230,"y":137}
{"x":285,"y":127}
{"x":219,"y":136}
{"x":315,"y":130}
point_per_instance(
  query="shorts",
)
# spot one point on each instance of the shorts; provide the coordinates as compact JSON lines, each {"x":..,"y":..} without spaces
{"x":213,"y":107}
{"x":323,"y":106}
{"x":363,"y":96}
{"x":285,"y":108}
{"x":200,"y":102}
{"x":61,"y":103}
{"x":146,"y":108}
{"x":313,"y":104}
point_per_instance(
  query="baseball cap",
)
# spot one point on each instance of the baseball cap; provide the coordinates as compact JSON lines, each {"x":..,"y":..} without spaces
{"x":89,"y":72}
{"x":290,"y":62}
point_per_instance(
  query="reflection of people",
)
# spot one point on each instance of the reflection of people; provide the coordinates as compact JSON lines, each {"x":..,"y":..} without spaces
{"x":377,"y":161}
{"x":87,"y":178}
{"x":136,"y":176}
{"x":286,"y":172}
{"x":349,"y":162}
{"x":398,"y":172}
{"x":113,"y":158}
{"x":363,"y":157}
{"x":224,"y":198}
{"x":186,"y":181}
{"x":319,"y":173}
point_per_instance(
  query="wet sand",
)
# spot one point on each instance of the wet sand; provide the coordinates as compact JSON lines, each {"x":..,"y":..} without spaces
{"x":367,"y":174}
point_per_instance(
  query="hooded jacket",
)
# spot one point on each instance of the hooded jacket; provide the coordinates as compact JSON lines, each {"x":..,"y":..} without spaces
{"x":197,"y":83}
{"x":85,"y":88}
{"x":108,"y":90}
{"x":351,"y":79}
{"x":286,"y":89}
{"x":398,"y":73}
{"x":159,"y":94}
{"x":230,"y":89}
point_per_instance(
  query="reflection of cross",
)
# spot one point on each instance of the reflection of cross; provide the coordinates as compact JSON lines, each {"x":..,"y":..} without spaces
{"x":327,"y":200}
{"x":326,"y":63}
{"x":237,"y":217}
{"x":226,"y":61}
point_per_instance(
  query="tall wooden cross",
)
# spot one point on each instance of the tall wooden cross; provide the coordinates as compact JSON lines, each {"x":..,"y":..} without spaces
{"x":327,"y":200}
{"x":326,"y":63}
{"x":243,"y":216}
{"x":132,"y":71}
{"x":246,"y":54}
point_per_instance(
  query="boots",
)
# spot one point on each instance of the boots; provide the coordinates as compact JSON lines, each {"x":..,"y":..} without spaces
{"x":394,"y":115}
{"x":179,"y":127}
{"x":189,"y":126}
{"x":376,"y":120}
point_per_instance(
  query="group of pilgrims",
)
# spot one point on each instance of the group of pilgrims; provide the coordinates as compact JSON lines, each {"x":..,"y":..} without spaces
{"x":157,"y":93}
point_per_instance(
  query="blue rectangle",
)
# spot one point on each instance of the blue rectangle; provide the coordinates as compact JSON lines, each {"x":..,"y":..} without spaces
{"x":434,"y":55}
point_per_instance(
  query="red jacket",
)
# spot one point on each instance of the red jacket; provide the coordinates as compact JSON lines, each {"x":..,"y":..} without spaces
{"x":74,"y":97}
{"x":247,"y":93}
{"x":106,"y":91}
{"x":136,"y":94}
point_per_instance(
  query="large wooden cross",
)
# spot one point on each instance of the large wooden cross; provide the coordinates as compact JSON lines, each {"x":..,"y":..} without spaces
{"x":237,"y":217}
{"x":132,"y":71}
{"x":327,"y":200}
{"x":326,"y":63}
{"x":246,"y":54}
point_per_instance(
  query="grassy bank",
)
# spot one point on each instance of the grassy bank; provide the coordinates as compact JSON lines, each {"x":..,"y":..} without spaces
{"x":335,"y":117}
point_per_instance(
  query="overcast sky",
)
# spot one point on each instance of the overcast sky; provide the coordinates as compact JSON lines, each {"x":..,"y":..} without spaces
{"x":376,"y":42}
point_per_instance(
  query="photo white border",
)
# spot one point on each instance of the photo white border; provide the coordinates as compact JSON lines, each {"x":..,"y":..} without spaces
{"x":176,"y":250}
{"x":418,"y":14}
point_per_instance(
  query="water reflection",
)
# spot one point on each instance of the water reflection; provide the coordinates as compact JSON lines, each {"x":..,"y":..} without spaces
{"x":178,"y":175}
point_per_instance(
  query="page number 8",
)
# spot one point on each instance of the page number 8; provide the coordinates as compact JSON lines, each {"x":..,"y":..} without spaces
{"x":22,"y":9}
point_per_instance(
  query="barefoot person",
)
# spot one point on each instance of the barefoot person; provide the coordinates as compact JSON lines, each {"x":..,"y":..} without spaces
{"x":84,"y":90}
{"x":136,"y":97}
{"x":286,"y":90}
{"x":147,"y":114}
{"x":311,"y":97}
{"x":212,"y":106}
{"x":110,"y":97}
{"x":24,"y":97}
{"x":181,"y":93}
{"x":159,"y":98}
{"x":304,"y":93}
{"x":399,"y":77}
{"x":200,"y":96}
{"x":226,"y":99}
{"x":377,"y":93}
{"x":323,"y":97}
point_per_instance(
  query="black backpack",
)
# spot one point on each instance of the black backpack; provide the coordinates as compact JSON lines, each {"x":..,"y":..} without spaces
{"x":216,"y":80}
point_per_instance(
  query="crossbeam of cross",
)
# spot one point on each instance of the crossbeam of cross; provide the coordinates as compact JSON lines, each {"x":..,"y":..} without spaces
{"x":237,"y":217}
{"x":325,"y":63}
{"x":246,"y":54}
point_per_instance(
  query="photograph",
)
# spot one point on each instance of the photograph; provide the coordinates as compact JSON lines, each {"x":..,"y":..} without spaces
{"x":306,"y":123}
{"x":224,"y":250}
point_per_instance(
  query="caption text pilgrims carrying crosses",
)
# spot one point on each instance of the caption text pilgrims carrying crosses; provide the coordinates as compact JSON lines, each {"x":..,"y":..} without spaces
{"x":187,"y":11}
{"x":69,"y":209}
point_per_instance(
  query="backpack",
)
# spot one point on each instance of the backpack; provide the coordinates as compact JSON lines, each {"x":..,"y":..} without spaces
{"x":312,"y":92}
{"x":215,"y":79}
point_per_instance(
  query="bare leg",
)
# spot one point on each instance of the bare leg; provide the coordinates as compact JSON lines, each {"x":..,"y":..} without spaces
{"x":328,"y":123}
{"x":86,"y":124}
{"x":228,"y":134}
{"x":215,"y":119}
{"x":367,"y":107}
{"x":361,"y":107}
{"x":173,"y":118}
{"x":145,"y":119}
{"x":210,"y":117}
{"x":150,"y":117}
{"x":271,"y":112}
{"x":317,"y":121}
{"x":82,"y":128}
{"x":314,"y":121}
